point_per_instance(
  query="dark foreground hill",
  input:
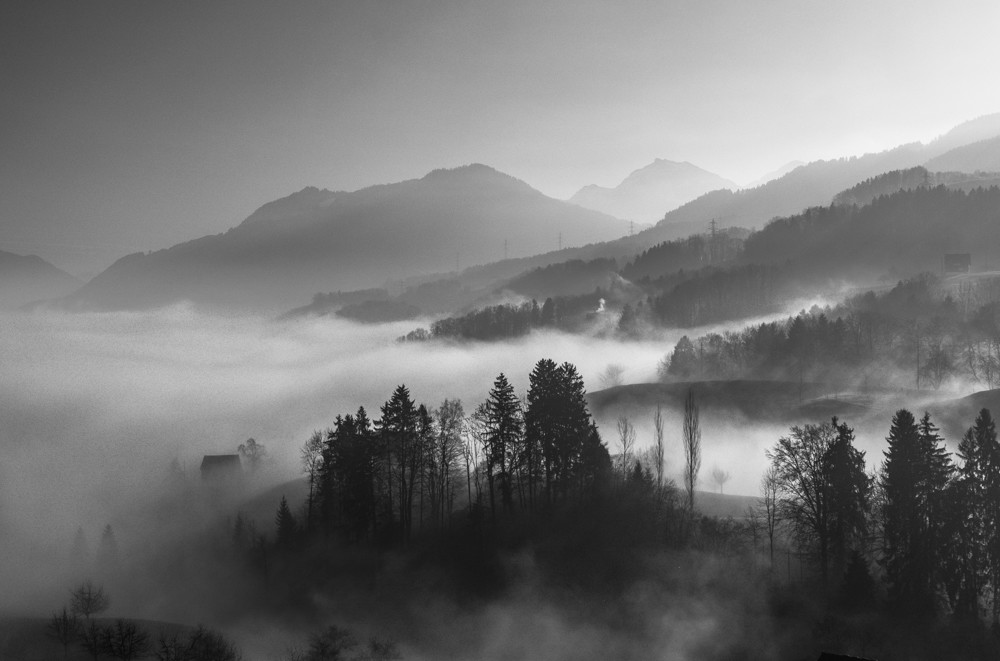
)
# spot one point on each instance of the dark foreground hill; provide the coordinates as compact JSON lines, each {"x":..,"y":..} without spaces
{"x":321,"y":241}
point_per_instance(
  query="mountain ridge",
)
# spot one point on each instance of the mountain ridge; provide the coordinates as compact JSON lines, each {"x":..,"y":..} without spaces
{"x":325,"y":241}
{"x":650,"y":191}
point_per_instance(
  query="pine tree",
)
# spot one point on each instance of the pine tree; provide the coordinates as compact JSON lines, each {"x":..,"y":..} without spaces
{"x":540,"y":427}
{"x":848,"y":493}
{"x":973,"y":485}
{"x":573,"y":425}
{"x":398,"y":428}
{"x":905,"y":516}
{"x":504,"y":430}
{"x":284,"y":524}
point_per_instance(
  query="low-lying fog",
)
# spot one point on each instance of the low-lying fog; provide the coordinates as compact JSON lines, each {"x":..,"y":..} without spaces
{"x":95,"y":407}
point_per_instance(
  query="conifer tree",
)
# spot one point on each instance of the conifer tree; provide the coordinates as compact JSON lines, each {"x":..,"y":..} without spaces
{"x":398,"y":428}
{"x":913,"y":479}
{"x":848,"y":495}
{"x":974,"y":513}
{"x":504,"y":430}
{"x":284,"y":524}
{"x":540,"y":427}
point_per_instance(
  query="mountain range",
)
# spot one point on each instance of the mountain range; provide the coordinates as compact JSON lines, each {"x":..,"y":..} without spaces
{"x":453,"y":234}
{"x":318,"y":240}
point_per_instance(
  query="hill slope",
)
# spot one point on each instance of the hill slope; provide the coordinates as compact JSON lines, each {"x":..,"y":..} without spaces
{"x":316,"y":241}
{"x":27,"y":278}
{"x":982,"y":156}
{"x":648,"y":193}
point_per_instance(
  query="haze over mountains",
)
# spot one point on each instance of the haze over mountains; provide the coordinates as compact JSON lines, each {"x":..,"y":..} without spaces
{"x":317,"y":240}
{"x":649,"y":192}
{"x":28,"y":278}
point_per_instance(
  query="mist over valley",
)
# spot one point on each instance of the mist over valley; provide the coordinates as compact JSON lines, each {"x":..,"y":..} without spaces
{"x":360,"y":331}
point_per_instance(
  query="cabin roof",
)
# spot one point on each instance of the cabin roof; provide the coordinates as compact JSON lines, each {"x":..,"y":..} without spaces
{"x":214,"y":461}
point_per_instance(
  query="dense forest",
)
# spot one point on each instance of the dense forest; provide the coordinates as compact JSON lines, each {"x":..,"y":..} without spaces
{"x":918,"y":332}
{"x":904,"y":227}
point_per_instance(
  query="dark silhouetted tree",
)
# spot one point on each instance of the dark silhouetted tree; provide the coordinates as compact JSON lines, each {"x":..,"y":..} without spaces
{"x":769,"y":506}
{"x":913,"y":481}
{"x":692,"y":448}
{"x":87,"y":600}
{"x":504,"y":430}
{"x":92,"y":639}
{"x":253,"y":453}
{"x":63,"y":627}
{"x":540,"y":426}
{"x":626,"y":441}
{"x":311,"y":455}
{"x":126,"y":641}
{"x":823,"y":489}
{"x":659,"y":451}
{"x":848,"y":495}
{"x":398,"y":429}
{"x":284,"y":524}
{"x":975,"y":511}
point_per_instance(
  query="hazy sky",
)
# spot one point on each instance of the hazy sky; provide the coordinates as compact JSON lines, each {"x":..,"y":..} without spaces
{"x":133,"y":125}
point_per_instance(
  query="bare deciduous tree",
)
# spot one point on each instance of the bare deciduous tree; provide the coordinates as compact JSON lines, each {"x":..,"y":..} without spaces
{"x":692,"y":448}
{"x":126,"y":641}
{"x":659,"y":452}
{"x":612,"y":375}
{"x":769,"y":504}
{"x":312,"y":461}
{"x":253,"y":453}
{"x":720,"y":477}
{"x":63,"y":627}
{"x":626,"y":440}
{"x":88,"y":600}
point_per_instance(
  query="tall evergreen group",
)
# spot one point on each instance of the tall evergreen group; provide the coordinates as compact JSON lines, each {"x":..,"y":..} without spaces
{"x":380,"y":480}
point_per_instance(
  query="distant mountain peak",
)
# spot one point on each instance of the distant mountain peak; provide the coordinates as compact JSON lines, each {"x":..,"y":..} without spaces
{"x":296,"y":204}
{"x":648,"y":193}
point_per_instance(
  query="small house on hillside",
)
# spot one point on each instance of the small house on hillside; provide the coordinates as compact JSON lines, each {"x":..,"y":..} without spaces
{"x":220,"y":468}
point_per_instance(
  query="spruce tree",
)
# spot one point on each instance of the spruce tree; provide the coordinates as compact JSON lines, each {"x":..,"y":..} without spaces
{"x":284,"y":524}
{"x":975,"y":514}
{"x":540,"y":426}
{"x":504,"y":430}
{"x":398,"y":428}
{"x":911,"y":496}
{"x":849,"y":494}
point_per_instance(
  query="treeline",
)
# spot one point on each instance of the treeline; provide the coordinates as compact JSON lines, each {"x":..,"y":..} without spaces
{"x":714,"y":295}
{"x":901,"y":232}
{"x":380,"y":481}
{"x":572,"y":277}
{"x":688,"y":254}
{"x":926,"y":524}
{"x":510,"y":320}
{"x":125,"y":639}
{"x":916,"y":328}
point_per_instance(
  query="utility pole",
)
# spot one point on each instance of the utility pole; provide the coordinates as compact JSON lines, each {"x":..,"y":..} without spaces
{"x":712,"y":242}
{"x":631,"y":228}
